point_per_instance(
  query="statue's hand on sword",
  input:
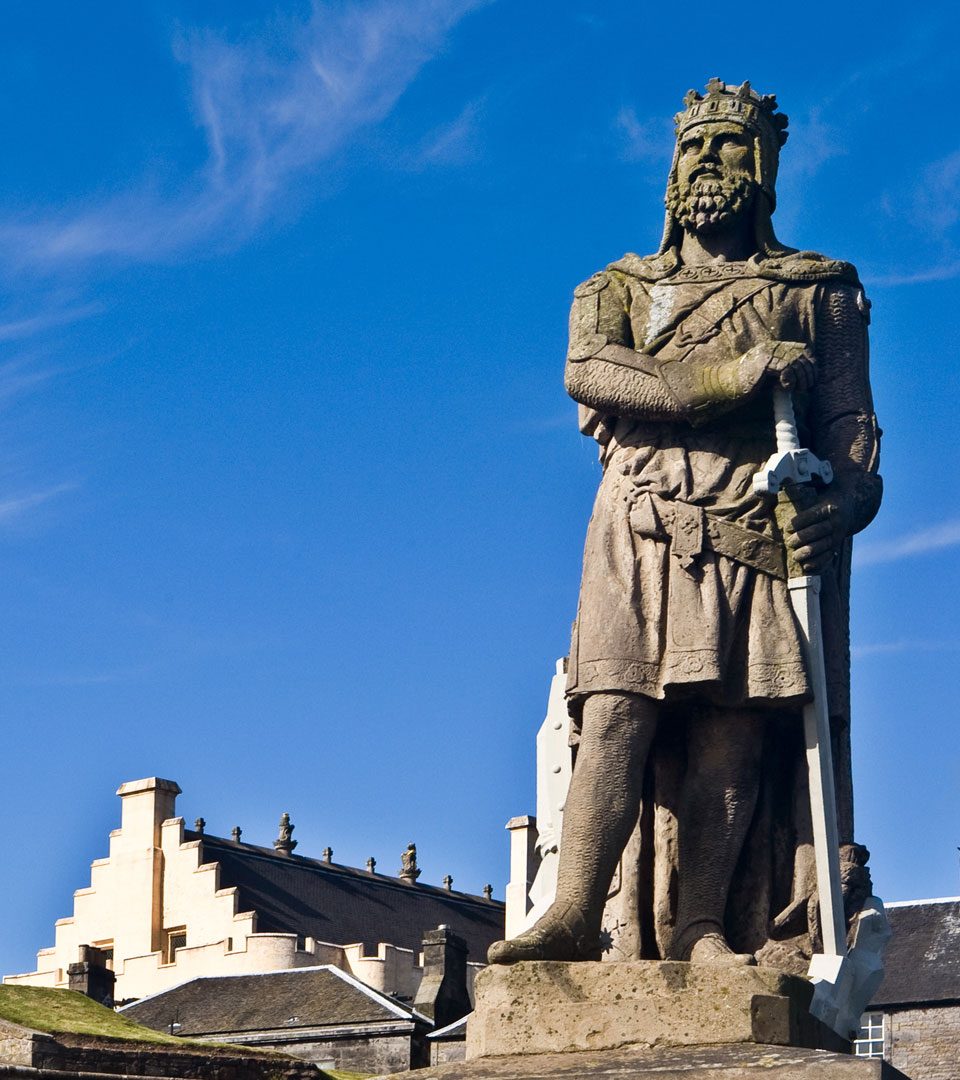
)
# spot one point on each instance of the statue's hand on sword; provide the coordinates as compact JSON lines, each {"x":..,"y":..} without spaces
{"x":787,"y":364}
{"x":814,"y":534}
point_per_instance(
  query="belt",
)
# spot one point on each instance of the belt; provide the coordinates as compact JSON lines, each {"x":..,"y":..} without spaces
{"x":691,"y":530}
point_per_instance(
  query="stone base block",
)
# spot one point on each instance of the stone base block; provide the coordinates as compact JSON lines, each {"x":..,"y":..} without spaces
{"x":738,"y":1062}
{"x":546,"y":1007}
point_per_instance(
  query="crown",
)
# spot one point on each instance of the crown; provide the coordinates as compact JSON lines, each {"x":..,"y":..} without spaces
{"x":739,"y":104}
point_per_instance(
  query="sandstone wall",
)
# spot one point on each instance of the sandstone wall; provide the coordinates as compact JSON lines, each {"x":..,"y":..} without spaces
{"x":924,"y":1043}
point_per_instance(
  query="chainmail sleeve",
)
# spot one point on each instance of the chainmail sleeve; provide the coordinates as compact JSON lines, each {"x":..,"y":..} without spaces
{"x":843,"y":424}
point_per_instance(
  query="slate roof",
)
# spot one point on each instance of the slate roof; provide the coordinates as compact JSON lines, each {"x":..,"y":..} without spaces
{"x":277,"y":1000}
{"x":922,"y":961}
{"x":342,"y":905}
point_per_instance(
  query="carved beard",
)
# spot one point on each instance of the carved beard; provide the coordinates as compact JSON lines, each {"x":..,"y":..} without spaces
{"x":711,"y":202}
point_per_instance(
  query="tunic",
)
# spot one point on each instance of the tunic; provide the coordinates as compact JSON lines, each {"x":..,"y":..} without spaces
{"x":680,"y":596}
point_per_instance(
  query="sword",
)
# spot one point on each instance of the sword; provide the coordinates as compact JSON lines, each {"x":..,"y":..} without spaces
{"x":792,"y":464}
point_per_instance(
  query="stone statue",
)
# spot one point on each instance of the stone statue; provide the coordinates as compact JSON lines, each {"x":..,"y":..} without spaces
{"x":285,"y":842}
{"x":409,"y":871}
{"x":688,"y":797}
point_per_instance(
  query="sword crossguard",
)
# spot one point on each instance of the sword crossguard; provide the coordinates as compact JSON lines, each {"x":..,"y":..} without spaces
{"x":791,"y":464}
{"x":790,"y":467}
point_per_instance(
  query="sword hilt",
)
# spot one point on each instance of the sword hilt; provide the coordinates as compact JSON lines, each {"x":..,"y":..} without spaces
{"x":785,"y":421}
{"x":791,"y":464}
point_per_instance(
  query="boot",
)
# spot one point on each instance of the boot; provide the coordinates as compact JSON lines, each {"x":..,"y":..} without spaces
{"x":703,"y":943}
{"x":561,"y":934}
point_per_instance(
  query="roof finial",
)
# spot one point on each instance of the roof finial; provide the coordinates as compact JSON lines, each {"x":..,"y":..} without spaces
{"x":448,"y":882}
{"x":327,"y":854}
{"x":199,"y":825}
{"x":285,"y":842}
{"x":409,"y":871}
{"x":236,"y":832}
{"x":371,"y":865}
{"x":488,"y":892}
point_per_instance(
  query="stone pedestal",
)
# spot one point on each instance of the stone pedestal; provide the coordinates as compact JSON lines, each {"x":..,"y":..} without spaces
{"x":649,"y":1020}
{"x":548,"y":1007}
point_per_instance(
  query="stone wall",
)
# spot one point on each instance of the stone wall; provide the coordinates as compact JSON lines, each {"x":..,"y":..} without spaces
{"x":380,"y":1056}
{"x":443,"y":1051}
{"x":23,"y":1051}
{"x":924,"y":1043}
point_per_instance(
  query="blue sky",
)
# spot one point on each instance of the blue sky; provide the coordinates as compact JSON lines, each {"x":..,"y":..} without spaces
{"x":291,"y":498}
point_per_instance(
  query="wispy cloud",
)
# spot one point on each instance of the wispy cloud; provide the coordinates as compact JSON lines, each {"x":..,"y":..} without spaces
{"x":938,"y":272}
{"x":18,"y":329}
{"x":644,"y":140}
{"x":90,"y":678}
{"x":936,"y":200}
{"x":814,"y":143}
{"x":31,"y":366}
{"x":450,"y":144}
{"x":883,"y":648}
{"x":919,"y":542}
{"x":23,"y":488}
{"x":270,"y":107}
{"x":453,"y":143}
{"x":20,"y":376}
{"x":539,"y":425}
{"x":931,"y":208}
{"x":16,"y":505}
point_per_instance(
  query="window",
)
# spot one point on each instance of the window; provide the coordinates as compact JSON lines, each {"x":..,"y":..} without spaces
{"x":173,"y":939}
{"x":105,"y":947}
{"x":869,"y":1040}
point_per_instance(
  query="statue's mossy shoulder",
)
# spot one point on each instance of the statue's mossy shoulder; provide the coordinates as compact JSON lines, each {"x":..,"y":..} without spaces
{"x":805,"y":266}
{"x":647,"y":267}
{"x":592,"y":285}
{"x":791,"y":266}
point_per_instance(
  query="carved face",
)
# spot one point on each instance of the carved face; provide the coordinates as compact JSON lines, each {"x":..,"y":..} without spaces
{"x":715,"y":176}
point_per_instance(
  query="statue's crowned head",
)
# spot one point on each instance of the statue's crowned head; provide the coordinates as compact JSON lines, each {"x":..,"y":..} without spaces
{"x":725,"y":161}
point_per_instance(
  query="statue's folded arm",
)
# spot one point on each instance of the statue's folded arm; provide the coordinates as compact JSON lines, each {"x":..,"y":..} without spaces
{"x":843,"y":424}
{"x":606,"y":373}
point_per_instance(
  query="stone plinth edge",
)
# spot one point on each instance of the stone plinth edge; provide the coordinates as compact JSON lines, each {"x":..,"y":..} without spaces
{"x":544,"y":1007}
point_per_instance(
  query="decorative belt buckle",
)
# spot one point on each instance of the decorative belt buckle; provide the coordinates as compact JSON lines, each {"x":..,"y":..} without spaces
{"x":688,"y":525}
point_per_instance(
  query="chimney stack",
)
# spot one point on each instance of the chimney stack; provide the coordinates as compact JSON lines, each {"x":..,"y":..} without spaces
{"x":443,"y":989}
{"x":91,"y":976}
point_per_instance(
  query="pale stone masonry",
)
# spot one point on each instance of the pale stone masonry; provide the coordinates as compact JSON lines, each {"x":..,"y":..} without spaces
{"x":924,"y":1043}
{"x":157,"y":906}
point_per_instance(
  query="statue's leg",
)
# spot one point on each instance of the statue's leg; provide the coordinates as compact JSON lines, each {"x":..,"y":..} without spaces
{"x":720,"y":791}
{"x":599,"y":815}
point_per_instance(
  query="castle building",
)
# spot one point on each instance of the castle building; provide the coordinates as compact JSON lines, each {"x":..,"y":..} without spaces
{"x":914,"y":1019}
{"x":169,"y":904}
{"x":317,"y":1013}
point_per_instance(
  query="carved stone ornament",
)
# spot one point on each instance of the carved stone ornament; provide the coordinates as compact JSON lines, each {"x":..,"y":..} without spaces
{"x":409,"y":871}
{"x":284,"y":842}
